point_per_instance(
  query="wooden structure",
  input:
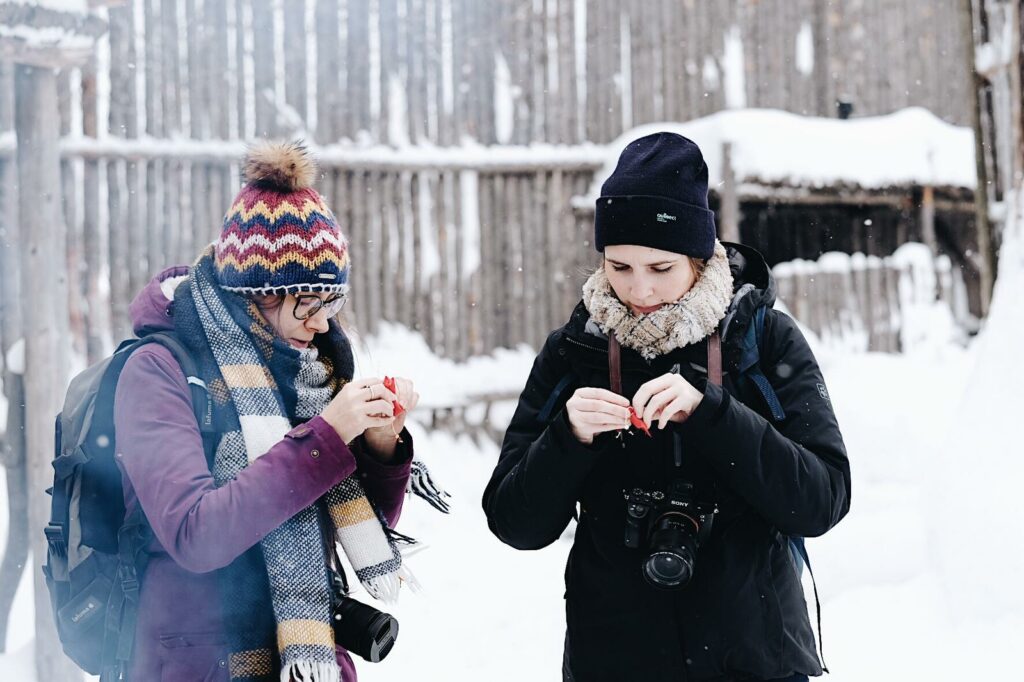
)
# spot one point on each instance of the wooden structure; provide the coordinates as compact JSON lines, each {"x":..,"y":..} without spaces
{"x":860,"y":303}
{"x":36,"y":40}
{"x":996,"y":95}
{"x":474,"y":246}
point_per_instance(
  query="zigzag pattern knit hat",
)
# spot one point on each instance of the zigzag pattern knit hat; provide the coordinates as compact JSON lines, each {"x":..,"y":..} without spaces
{"x":279,"y":237}
{"x":657,"y":196}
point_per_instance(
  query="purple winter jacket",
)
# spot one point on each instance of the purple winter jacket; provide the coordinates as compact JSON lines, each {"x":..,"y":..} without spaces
{"x":198,"y":528}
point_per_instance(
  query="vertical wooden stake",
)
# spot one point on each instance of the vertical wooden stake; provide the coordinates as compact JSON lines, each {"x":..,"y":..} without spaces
{"x":45,"y":320}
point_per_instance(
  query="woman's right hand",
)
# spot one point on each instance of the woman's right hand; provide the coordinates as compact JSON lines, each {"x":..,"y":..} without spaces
{"x":358,"y":406}
{"x":595,"y":410}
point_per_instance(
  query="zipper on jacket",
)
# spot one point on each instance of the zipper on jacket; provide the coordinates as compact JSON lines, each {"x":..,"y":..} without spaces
{"x":584,"y":345}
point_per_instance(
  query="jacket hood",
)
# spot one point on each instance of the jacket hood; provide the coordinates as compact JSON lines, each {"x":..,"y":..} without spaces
{"x":152,"y":309}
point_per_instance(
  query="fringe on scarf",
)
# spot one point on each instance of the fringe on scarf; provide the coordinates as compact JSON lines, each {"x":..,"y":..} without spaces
{"x":311,"y":671}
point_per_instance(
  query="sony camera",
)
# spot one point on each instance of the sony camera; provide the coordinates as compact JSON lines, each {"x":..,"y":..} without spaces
{"x":671,"y":525}
{"x":360,"y":628}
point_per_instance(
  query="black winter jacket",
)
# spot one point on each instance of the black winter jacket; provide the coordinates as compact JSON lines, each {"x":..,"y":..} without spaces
{"x":743,"y":614}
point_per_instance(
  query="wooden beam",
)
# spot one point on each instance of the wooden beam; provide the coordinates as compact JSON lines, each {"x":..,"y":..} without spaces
{"x":47,"y":38}
{"x":927,"y":218}
{"x":729,"y":205}
{"x":981,"y":207}
{"x":45,"y":320}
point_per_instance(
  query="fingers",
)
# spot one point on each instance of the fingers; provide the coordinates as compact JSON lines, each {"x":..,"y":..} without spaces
{"x":599,"y":419}
{"x":381,"y":406}
{"x":657,"y":403}
{"x":670,"y":411}
{"x":656,"y":385}
{"x":404,"y":392}
{"x":601,"y":394}
{"x":604,"y":428}
{"x":590,"y":405}
{"x":372,"y":389}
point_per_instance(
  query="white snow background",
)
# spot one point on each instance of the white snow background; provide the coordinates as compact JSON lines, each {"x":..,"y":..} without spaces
{"x":920,"y":581}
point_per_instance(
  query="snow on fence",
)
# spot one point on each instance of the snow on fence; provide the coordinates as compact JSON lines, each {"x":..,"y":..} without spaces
{"x":886,"y":304}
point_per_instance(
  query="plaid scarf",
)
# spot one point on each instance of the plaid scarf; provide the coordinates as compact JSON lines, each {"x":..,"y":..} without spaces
{"x":276,"y":596}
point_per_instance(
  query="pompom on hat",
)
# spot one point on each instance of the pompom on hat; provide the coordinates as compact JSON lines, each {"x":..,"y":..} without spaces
{"x":279,"y":237}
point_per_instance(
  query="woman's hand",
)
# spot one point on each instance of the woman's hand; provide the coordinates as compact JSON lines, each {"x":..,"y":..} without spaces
{"x":667,"y":398}
{"x":595,"y":410}
{"x":382,"y":439}
{"x":359,"y":406}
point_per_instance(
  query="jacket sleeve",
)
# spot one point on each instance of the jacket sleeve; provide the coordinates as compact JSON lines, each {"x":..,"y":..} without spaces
{"x":386,"y":482}
{"x":533,"y":491}
{"x":160,"y":450}
{"x":796,"y":474}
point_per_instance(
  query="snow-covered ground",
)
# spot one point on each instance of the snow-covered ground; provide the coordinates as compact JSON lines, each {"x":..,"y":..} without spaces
{"x":920,"y":581}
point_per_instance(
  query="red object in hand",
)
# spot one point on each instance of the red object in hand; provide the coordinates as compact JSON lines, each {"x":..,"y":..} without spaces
{"x":389,"y":383}
{"x":639,"y":423}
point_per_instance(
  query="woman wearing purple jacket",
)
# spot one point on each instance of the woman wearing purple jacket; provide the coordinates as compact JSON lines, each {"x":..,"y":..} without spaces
{"x":237,"y":581}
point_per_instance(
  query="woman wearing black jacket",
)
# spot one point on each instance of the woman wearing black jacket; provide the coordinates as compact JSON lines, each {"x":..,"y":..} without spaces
{"x":681,"y":567}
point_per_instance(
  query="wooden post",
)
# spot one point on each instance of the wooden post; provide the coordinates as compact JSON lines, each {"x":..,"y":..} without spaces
{"x":729,"y":204}
{"x":12,"y":455}
{"x":263,"y":67}
{"x":981,"y":222}
{"x":927,"y":218}
{"x":117,"y":242}
{"x":45,"y":325}
{"x":328,"y":69}
{"x":12,"y":441}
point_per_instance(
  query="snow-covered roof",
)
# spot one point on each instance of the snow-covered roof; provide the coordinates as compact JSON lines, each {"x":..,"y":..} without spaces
{"x":48,"y":33}
{"x":771,"y":147}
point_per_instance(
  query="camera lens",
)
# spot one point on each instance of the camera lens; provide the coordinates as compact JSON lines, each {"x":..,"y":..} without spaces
{"x":667,"y":569}
{"x":673,"y":549}
{"x":364,"y":630}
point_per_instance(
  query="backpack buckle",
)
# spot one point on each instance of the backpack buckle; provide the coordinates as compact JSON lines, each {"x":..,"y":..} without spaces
{"x":129,"y":581}
{"x":58,"y":546}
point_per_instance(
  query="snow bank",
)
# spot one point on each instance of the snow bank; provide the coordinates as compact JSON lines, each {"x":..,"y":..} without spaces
{"x":911,"y":146}
{"x":976,"y":475}
{"x":926,"y":323}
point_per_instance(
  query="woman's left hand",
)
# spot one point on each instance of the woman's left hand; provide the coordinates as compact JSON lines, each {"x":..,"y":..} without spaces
{"x":669,"y":397}
{"x":382,"y":438}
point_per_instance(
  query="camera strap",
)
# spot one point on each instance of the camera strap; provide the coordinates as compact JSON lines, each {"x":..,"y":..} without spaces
{"x":715,"y":359}
{"x":614,"y":364}
{"x":615,"y":361}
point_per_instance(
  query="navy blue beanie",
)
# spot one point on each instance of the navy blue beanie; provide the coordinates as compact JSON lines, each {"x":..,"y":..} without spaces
{"x":657,"y":196}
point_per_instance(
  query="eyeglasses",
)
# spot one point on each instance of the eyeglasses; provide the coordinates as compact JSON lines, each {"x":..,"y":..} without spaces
{"x":308,"y":305}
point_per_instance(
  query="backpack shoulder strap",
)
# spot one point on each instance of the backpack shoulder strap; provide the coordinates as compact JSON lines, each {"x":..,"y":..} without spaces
{"x":750,"y":364}
{"x":202,"y":403}
{"x":556,"y":392}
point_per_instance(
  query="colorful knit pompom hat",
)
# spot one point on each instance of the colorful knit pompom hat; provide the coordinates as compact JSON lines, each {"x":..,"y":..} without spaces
{"x":279,"y":237}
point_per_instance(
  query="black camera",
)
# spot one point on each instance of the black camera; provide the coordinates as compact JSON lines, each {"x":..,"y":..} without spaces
{"x":672,"y":525}
{"x":360,"y":628}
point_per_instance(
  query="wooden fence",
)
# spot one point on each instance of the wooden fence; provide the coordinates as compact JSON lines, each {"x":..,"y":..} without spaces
{"x":503,"y":72}
{"x":869,"y":303}
{"x":472,"y":251}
